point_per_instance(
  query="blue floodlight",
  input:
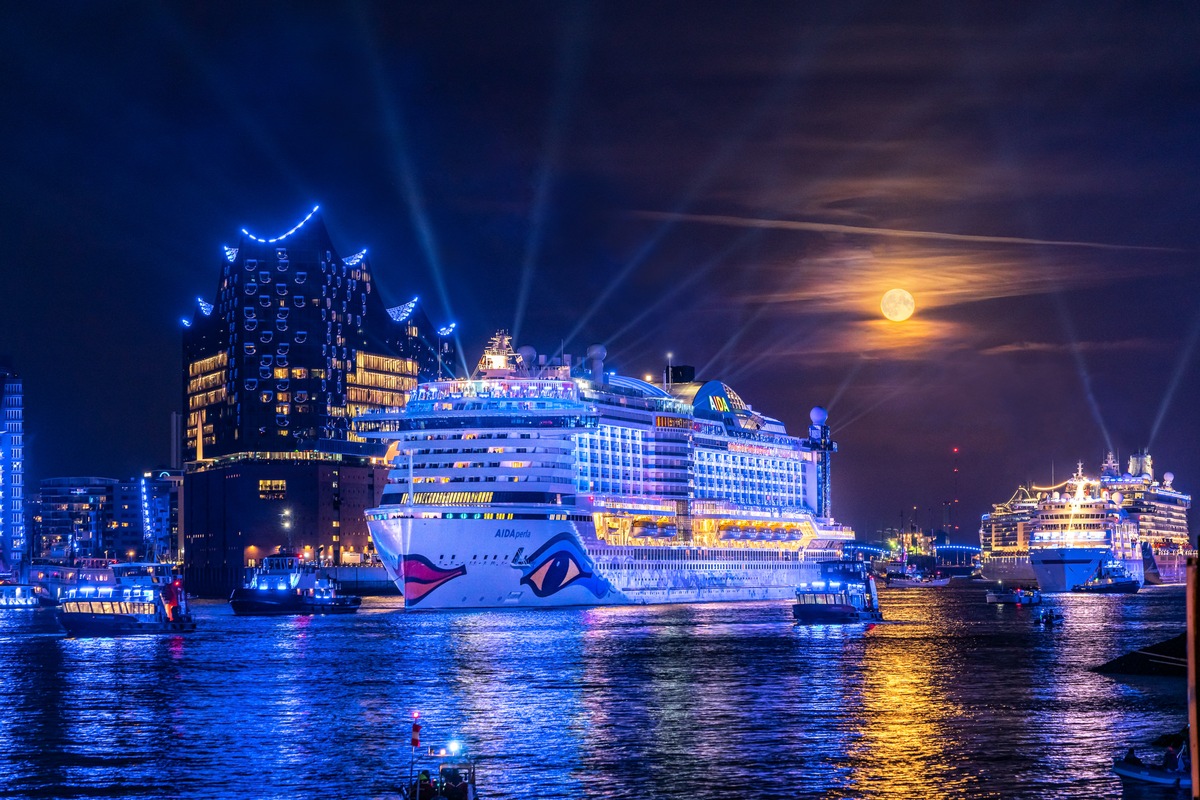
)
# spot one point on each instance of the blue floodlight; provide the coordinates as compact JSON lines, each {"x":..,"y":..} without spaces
{"x":282,"y":236}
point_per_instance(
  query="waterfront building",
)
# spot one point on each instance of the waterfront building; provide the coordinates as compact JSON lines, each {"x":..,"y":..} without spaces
{"x":76,"y":518}
{"x":552,"y":482}
{"x":12,"y":474}
{"x":295,"y":342}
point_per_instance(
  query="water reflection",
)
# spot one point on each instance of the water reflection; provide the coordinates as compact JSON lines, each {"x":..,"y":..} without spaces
{"x":951,"y":697}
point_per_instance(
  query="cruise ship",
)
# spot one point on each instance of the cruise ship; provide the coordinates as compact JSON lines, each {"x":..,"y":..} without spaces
{"x":538,"y":483}
{"x":1067,"y":529}
{"x":1160,"y":511}
{"x":1079,"y":529}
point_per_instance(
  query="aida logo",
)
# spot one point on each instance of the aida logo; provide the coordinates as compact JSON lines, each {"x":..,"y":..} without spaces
{"x":719,"y":404}
{"x":509,"y":533}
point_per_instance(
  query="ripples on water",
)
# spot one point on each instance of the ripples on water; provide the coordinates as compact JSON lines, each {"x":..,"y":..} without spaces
{"x":951,"y":698}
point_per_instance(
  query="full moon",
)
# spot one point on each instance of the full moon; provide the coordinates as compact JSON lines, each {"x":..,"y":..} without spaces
{"x":897,"y":305}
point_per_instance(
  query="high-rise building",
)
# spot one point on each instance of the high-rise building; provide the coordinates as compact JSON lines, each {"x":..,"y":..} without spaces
{"x":77,"y":517}
{"x":12,"y":473}
{"x":295,"y":343}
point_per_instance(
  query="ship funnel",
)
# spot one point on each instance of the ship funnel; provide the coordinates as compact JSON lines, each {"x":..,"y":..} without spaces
{"x":596,"y":354}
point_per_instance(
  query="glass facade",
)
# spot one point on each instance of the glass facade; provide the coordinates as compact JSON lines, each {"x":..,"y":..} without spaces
{"x":12,"y":474}
{"x":297,"y":342}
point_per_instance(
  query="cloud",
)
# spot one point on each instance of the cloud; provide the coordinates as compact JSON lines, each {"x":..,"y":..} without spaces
{"x":895,"y":233}
{"x":1120,"y":345}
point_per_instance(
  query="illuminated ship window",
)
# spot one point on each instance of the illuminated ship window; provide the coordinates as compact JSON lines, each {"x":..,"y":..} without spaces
{"x":266,"y":337}
{"x":281,"y":326}
{"x":264,"y":277}
{"x":266,"y":360}
{"x":300,"y":276}
{"x":251,"y":264}
{"x":301,"y":337}
{"x":266,"y":397}
{"x":301,"y":396}
{"x":249,"y":312}
{"x":249,"y":348}
{"x":282,"y":266}
{"x":251,"y":324}
{"x":281,"y":289}
{"x":299,"y":301}
{"x":205,"y":308}
{"x":353,"y":260}
{"x":264,"y":373}
{"x":251,"y":384}
{"x":230,"y":253}
{"x":282,"y":421}
{"x":264,"y":301}
{"x":281,"y":313}
{"x":283,"y":348}
{"x":281,"y":386}
{"x":251,"y":288}
{"x":282,"y":361}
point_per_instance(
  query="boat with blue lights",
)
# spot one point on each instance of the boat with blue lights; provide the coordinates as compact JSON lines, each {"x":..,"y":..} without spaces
{"x":25,"y":595}
{"x":145,"y":599}
{"x":845,"y":595}
{"x":1111,"y":578}
{"x":542,"y":482}
{"x":288,"y":584}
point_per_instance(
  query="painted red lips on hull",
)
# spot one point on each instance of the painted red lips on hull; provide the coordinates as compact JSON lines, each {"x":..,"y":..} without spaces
{"x":421,"y":577}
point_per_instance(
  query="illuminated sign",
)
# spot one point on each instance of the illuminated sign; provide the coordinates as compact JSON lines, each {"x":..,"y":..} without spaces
{"x":718,"y":404}
{"x":762,"y":450}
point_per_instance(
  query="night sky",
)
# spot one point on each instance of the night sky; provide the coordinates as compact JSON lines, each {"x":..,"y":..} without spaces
{"x":735,"y":183}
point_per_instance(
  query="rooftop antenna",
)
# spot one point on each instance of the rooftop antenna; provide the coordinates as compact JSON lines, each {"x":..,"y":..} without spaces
{"x":668,"y":380}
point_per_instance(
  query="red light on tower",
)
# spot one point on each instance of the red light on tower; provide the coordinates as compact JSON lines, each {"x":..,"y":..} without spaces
{"x":416,"y":733}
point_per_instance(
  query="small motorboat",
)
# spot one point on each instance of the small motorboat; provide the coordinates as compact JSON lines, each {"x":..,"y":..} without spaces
{"x":1048,"y":617}
{"x":287,"y":584}
{"x":1137,"y":770}
{"x":845,"y":595}
{"x":1017,"y":596}
{"x":1111,"y":578}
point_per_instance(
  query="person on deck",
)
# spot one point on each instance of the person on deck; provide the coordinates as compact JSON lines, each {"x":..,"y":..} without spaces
{"x":1170,"y":760}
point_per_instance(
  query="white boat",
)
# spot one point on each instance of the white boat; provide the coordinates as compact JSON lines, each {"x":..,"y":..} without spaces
{"x":915,"y":582}
{"x":542,"y":483}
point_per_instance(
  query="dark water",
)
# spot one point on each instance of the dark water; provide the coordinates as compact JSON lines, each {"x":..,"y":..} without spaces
{"x":953,"y":698}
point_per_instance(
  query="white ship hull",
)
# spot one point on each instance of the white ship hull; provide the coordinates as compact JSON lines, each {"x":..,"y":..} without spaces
{"x":1058,"y":569}
{"x":1011,"y":569}
{"x":442,"y":563}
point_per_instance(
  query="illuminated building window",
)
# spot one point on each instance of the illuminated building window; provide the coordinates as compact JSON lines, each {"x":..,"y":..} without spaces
{"x":272,"y":490}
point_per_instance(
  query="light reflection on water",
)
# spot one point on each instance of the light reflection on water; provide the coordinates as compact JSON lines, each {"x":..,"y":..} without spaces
{"x":950,"y":698}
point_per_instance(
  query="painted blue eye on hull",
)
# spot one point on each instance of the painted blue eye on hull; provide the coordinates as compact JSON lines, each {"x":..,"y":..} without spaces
{"x":559,"y":563}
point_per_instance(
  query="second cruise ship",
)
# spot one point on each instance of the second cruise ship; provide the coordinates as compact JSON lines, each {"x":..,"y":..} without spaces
{"x":539,"y":483}
{"x":1060,"y":536}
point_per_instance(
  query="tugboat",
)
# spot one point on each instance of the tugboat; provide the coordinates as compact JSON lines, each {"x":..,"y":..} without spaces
{"x":1111,"y":578}
{"x":1017,"y":596}
{"x":286,"y":584}
{"x":846,"y":595}
{"x":145,"y":599}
